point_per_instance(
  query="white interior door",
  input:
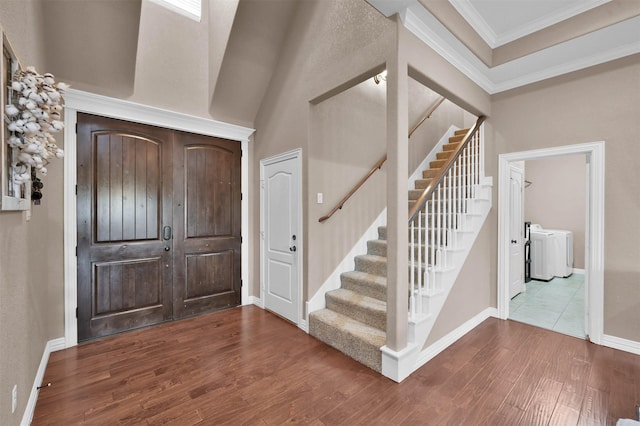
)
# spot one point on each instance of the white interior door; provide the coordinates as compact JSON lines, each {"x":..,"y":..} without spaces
{"x":281,"y":245}
{"x":516,"y":232}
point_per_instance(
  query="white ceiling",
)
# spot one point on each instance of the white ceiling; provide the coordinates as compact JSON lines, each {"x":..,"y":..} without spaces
{"x":501,"y":21}
{"x":603,"y":45}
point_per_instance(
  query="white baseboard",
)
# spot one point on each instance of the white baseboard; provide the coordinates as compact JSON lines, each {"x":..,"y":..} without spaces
{"x":51,"y":346}
{"x":333,"y":282}
{"x":444,"y":342}
{"x":417,"y":173}
{"x":253,"y":300}
{"x":621,"y":344}
{"x":578,"y":271}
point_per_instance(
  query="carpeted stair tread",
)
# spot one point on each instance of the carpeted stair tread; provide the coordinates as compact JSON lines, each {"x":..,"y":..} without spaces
{"x":450,"y":146}
{"x":376,"y":265}
{"x":351,"y":337}
{"x":370,"y":285}
{"x":367,"y":310}
{"x":377,"y":247}
{"x":461,"y":132}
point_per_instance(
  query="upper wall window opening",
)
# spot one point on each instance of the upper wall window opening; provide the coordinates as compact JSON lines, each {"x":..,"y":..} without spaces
{"x":190,"y":8}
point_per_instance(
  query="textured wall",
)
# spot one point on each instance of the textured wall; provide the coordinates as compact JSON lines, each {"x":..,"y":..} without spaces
{"x":30,"y":252}
{"x":330,"y":43}
{"x":596,"y":104}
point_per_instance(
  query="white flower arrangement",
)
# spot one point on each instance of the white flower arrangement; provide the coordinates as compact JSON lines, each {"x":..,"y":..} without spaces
{"x":33,"y":115}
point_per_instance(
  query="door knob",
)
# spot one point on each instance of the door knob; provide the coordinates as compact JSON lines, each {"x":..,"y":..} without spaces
{"x":514,"y":242}
{"x":292,"y":248}
{"x":167,"y":248}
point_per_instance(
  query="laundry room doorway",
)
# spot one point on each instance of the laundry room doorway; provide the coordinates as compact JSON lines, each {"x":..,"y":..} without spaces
{"x":548,"y":198}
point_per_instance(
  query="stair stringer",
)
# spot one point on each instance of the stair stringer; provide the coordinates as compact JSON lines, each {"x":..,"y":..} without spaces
{"x":318,"y":301}
{"x":398,"y":365}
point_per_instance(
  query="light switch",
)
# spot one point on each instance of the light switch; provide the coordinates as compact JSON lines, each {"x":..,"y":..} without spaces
{"x":319,"y":198}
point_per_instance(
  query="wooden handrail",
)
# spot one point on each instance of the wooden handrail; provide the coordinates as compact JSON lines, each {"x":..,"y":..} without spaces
{"x":422,"y":200}
{"x":378,"y":165}
{"x":355,"y":188}
{"x":427,"y":115}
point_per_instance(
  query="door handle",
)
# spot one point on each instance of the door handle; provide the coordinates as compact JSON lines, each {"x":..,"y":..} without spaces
{"x":292,"y":248}
{"x":167,"y":248}
{"x":514,"y":242}
{"x":166,"y":233}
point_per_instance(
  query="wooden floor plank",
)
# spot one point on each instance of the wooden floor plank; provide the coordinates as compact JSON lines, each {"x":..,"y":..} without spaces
{"x":247,"y":366}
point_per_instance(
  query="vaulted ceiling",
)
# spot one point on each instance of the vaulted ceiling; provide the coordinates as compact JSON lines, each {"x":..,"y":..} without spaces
{"x":222,"y":66}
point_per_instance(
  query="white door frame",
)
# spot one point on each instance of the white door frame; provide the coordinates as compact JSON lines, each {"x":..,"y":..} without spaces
{"x":594,"y":238}
{"x":78,"y":101}
{"x":296,"y":155}
{"x":514,"y":168}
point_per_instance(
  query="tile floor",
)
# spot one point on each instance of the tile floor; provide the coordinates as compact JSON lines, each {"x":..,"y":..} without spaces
{"x":556,"y":305}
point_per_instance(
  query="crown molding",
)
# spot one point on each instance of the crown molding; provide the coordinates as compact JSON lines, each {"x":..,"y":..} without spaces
{"x":607,"y":44}
{"x":145,"y":114}
{"x":480,"y":25}
{"x":477,"y":22}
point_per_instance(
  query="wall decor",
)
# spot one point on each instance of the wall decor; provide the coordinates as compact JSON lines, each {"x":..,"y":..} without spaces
{"x":32,"y":105}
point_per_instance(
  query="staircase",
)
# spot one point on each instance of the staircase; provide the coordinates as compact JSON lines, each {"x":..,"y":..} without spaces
{"x":354,"y":320}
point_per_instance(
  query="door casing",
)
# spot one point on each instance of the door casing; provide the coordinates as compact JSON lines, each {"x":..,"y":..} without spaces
{"x":594,"y":235}
{"x":79,"y":101}
{"x":519,"y":245}
{"x":296,"y":155}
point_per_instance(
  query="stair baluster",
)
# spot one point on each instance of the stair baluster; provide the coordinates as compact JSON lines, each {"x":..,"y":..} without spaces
{"x":446,"y":212}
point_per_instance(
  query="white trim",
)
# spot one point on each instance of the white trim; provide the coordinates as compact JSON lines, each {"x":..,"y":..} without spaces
{"x":427,"y":28}
{"x":578,"y":271}
{"x":70,"y":229}
{"x":621,"y":344}
{"x":444,"y":342}
{"x":594,"y":236}
{"x":295,"y":154}
{"x":253,"y":300}
{"x":493,"y":39}
{"x":51,"y":346}
{"x":78,"y":101}
{"x":433,"y":154}
{"x":333,"y":281}
{"x":609,"y":43}
{"x":145,"y":114}
{"x":244,"y":222}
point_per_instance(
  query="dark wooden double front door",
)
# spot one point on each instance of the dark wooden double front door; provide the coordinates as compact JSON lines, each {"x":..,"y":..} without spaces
{"x":158,"y":225}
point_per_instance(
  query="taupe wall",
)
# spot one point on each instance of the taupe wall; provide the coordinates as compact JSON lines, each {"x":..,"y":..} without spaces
{"x":330,"y":44}
{"x":596,"y":104}
{"x":30,"y":252}
{"x":556,"y":197}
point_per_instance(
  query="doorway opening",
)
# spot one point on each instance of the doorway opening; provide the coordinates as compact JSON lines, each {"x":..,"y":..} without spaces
{"x":553,"y":208}
{"x":594,"y":230}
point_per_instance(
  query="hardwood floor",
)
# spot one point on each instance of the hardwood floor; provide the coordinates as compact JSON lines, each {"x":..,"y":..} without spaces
{"x":247,"y":366}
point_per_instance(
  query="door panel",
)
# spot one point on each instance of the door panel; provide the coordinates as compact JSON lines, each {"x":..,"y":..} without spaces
{"x":158,"y":225}
{"x":207,"y":228}
{"x":124,"y":272}
{"x":282,"y":238}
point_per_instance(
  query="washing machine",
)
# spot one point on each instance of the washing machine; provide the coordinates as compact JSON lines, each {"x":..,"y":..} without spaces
{"x":541,"y":253}
{"x":551,"y":253}
{"x":562,"y":256}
